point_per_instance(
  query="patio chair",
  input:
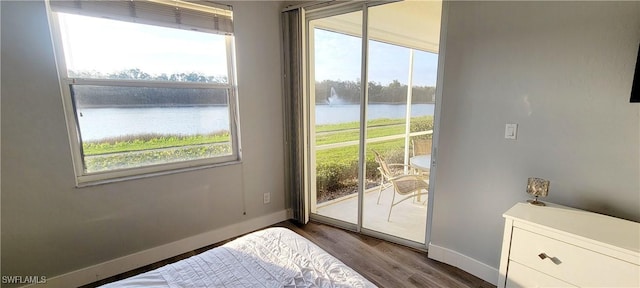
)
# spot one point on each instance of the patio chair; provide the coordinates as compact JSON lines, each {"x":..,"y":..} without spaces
{"x":407,"y":185}
{"x":421,"y":146}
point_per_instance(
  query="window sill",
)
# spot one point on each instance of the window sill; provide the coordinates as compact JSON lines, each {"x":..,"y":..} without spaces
{"x":153,"y":174}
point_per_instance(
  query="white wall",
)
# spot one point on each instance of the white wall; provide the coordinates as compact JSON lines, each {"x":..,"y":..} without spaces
{"x":563,"y":72}
{"x":49,"y":227}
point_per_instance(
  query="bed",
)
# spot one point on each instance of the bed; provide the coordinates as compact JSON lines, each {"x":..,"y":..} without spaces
{"x":273,"y":257}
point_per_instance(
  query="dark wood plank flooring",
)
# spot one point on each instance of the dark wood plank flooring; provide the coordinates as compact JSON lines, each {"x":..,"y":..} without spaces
{"x":383,"y":263}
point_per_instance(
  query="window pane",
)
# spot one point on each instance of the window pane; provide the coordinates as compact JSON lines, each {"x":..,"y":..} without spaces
{"x":125,"y":127}
{"x":425,"y":69}
{"x":336,"y":64}
{"x":111,"y":49}
{"x":388,"y":77}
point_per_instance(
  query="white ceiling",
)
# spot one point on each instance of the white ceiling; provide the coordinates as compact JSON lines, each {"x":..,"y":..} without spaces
{"x":413,"y":24}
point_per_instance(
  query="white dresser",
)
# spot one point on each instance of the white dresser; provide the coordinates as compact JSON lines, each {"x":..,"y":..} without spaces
{"x":557,"y":246}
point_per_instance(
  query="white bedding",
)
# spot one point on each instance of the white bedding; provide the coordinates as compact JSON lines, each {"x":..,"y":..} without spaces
{"x":274,"y":257}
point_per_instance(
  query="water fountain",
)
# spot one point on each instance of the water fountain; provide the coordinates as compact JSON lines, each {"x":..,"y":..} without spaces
{"x":334,"y":98}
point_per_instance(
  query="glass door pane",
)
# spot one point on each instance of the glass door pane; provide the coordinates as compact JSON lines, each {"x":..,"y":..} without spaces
{"x":423,"y":102}
{"x":396,"y":115}
{"x":401,"y":60}
{"x":335,"y":50}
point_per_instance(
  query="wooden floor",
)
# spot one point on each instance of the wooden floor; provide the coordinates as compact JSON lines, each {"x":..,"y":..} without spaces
{"x":383,"y":263}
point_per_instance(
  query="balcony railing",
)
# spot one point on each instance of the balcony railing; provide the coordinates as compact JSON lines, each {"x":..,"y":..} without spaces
{"x":372,"y":140}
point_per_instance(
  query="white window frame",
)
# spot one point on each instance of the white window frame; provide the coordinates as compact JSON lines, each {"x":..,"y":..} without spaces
{"x":95,"y":178}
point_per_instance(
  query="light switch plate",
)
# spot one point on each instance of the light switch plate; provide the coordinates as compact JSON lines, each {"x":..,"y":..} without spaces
{"x":510,"y":131}
{"x":267,"y":198}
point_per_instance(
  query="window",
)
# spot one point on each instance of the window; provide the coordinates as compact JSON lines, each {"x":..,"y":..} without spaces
{"x":148,"y":86}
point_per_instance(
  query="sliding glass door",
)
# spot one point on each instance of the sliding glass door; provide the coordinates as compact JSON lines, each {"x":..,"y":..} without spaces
{"x":336,"y":93}
{"x":369,"y":96}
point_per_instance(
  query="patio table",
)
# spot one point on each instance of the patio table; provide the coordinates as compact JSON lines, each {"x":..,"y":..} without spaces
{"x":422,"y":162}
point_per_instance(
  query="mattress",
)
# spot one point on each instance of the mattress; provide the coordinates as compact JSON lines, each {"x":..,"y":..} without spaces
{"x":274,"y":257}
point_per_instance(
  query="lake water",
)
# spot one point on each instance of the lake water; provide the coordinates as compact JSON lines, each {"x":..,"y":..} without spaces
{"x":333,"y":114}
{"x":99,"y":123}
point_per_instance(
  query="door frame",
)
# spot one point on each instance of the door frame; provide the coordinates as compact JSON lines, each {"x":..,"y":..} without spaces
{"x":322,"y":11}
{"x":310,"y":179}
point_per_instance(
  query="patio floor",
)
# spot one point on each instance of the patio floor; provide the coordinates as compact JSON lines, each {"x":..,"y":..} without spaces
{"x":408,"y":219}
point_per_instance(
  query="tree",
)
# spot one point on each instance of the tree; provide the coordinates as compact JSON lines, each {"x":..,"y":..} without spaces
{"x":393,"y":93}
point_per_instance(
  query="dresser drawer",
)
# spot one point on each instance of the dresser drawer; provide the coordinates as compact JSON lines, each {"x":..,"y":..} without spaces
{"x":522,"y":276}
{"x":570,"y":263}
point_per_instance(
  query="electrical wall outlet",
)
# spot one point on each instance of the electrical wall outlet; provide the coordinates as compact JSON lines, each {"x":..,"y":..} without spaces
{"x":511,"y":131}
{"x":267,"y":198}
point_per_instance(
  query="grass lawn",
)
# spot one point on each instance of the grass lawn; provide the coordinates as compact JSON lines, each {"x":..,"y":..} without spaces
{"x":147,"y":142}
{"x":334,"y":166}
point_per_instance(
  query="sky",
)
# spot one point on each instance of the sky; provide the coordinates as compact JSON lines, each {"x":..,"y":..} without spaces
{"x":338,"y":57}
{"x":108,"y":46}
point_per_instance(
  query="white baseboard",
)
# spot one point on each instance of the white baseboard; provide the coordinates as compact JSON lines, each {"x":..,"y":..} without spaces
{"x":466,"y":263}
{"x":149,"y":256}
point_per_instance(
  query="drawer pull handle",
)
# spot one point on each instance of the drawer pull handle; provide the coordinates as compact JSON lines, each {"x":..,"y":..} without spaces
{"x":553,"y":259}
